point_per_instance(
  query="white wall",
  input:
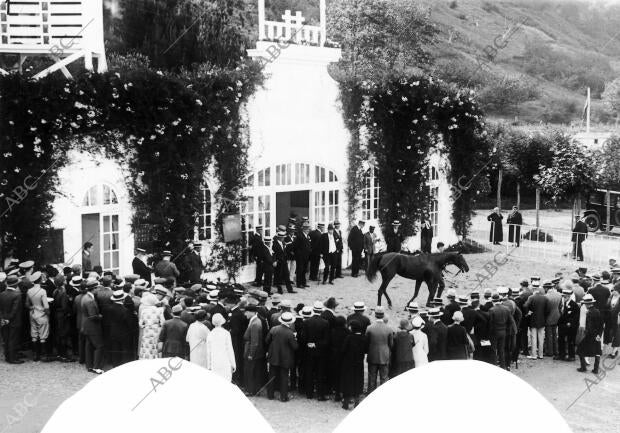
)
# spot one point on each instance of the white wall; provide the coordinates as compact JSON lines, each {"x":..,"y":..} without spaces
{"x":83,"y":172}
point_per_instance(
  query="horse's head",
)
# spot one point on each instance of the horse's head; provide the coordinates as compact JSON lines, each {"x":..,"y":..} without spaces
{"x":458,"y":260}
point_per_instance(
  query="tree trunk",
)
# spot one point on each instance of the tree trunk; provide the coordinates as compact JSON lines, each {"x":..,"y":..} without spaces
{"x":519,"y":195}
{"x":537,"y":207}
{"x":499,"y":189}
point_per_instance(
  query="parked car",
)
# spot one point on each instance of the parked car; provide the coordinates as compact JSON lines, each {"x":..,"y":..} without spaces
{"x":596,"y":210}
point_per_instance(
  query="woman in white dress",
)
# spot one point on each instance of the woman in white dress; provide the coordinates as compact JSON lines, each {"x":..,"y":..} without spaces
{"x":151,"y":322}
{"x":220,"y":355}
{"x":420,"y":349}
{"x":197,"y":334}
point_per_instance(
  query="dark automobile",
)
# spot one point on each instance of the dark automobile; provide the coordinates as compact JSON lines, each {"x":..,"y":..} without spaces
{"x":596,"y":210}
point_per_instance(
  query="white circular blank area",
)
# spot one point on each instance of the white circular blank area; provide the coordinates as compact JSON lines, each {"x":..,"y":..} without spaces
{"x":454,"y":396}
{"x":136,"y":397}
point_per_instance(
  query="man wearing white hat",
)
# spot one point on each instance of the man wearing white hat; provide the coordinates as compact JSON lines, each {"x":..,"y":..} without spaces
{"x":140,"y":267}
{"x":358,"y":314}
{"x":282,"y":344}
{"x":568,"y":323}
{"x":119,"y":317}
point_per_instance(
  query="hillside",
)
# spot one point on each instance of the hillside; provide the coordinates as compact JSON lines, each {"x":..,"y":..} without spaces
{"x":562,"y":48}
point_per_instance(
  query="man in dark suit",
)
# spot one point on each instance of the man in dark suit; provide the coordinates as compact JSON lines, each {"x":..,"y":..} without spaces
{"x":254,"y":352}
{"x":281,"y":345}
{"x":93,"y":334}
{"x":192,"y":264}
{"x":140,"y":267}
{"x":568,"y":323}
{"x":339,"y":249}
{"x":167,"y":269}
{"x":11,"y":312}
{"x":281,"y":275}
{"x":355,"y":241}
{"x":426,"y":237}
{"x":255,"y":242}
{"x":87,"y":264}
{"x":315,"y":340}
{"x":329,"y":249}
{"x":172,"y":338}
{"x":601,"y":293}
{"x":590,"y":345}
{"x":358,"y":314}
{"x":451,"y":308}
{"x":120,"y":323}
{"x":302,"y":247}
{"x":315,"y":254}
{"x":237,"y":325}
{"x":380,"y":340}
{"x":580,"y":233}
{"x":501,"y":327}
{"x":437,"y":336}
{"x":394,"y":238}
{"x":263,"y":253}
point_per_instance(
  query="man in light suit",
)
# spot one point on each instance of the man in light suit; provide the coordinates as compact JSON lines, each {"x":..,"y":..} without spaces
{"x":91,"y":329}
{"x":370,"y":239}
{"x":255,"y":368}
{"x":282,"y":344}
{"x":380,"y":340}
{"x":554,"y":299}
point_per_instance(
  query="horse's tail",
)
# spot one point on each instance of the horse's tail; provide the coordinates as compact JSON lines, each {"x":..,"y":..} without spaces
{"x":373,"y":267}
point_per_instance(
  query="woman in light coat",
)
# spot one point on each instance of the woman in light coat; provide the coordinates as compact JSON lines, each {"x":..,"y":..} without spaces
{"x":420,"y":348}
{"x":151,"y":322}
{"x":220,"y":354}
{"x":197,"y":335}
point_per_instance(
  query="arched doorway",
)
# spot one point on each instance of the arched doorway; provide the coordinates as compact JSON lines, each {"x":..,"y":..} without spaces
{"x":100,"y":215}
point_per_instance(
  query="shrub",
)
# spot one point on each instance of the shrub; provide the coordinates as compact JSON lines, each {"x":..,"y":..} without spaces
{"x":453,"y":4}
{"x":538,"y":236}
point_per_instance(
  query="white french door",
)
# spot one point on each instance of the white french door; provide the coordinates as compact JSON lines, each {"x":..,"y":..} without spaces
{"x":110,"y":242}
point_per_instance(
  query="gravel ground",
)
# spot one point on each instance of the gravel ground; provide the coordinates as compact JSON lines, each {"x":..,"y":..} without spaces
{"x":42,"y":387}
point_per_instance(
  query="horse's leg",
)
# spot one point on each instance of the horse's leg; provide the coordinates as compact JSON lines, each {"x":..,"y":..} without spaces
{"x":418,"y":283}
{"x":440,"y":286}
{"x":386,"y":278}
{"x":431,"y":283}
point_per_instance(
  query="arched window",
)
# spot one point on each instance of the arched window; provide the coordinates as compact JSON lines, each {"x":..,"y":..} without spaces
{"x":99,"y":195}
{"x":205,"y":229}
{"x":370,"y":195}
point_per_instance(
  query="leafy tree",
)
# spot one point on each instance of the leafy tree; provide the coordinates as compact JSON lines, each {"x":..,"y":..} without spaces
{"x":607,"y":161}
{"x":571,"y":172}
{"x":611,"y":96}
{"x":380,"y":37}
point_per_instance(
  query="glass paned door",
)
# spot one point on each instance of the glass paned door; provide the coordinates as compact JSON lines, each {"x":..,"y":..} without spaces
{"x":110,"y":248}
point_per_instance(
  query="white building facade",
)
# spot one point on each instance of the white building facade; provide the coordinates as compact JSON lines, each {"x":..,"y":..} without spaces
{"x":298,"y":160}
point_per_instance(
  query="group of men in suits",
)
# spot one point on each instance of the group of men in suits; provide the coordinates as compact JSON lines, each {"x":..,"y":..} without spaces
{"x":296,"y":249}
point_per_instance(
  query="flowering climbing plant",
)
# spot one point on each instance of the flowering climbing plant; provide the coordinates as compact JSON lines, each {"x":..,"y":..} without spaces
{"x":165,"y":129}
{"x":398,"y":123}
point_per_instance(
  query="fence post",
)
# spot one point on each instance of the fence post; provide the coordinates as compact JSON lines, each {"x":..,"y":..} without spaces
{"x":499,"y":189}
{"x":537,"y":207}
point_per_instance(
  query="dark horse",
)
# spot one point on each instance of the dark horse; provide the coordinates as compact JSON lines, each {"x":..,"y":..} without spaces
{"x":422,"y":268}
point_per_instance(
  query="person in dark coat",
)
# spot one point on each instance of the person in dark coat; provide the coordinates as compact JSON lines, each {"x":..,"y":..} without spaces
{"x":601,"y":293}
{"x":263,"y":252}
{"x":62,"y":318}
{"x":167,"y":269}
{"x":315,"y":254}
{"x":329,"y":250}
{"x":501,"y":326}
{"x":120,"y":324}
{"x":380,"y":342}
{"x":316,"y":344}
{"x":437,"y":334}
{"x":255,"y":365}
{"x":192,"y":264}
{"x":426,"y":237}
{"x":172,"y":337}
{"x":402,"y":351}
{"x":302,"y":247}
{"x":457,"y":343}
{"x":11,"y":313}
{"x":514,"y":221}
{"x":255,"y":244}
{"x":281,"y":346}
{"x":92,"y":331}
{"x":483,"y":349}
{"x":451,"y":308}
{"x":537,"y":308}
{"x":87,"y":264}
{"x":281,"y":275}
{"x":497,"y":234}
{"x":237,"y":324}
{"x":568,"y":323}
{"x":140,"y":267}
{"x":338,"y":333}
{"x":580,"y":234}
{"x":354,"y":348}
{"x":329,"y":312}
{"x":394,"y":238}
{"x":339,"y":249}
{"x":355,"y":241}
{"x":359,"y":316}
{"x":590,"y":345}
